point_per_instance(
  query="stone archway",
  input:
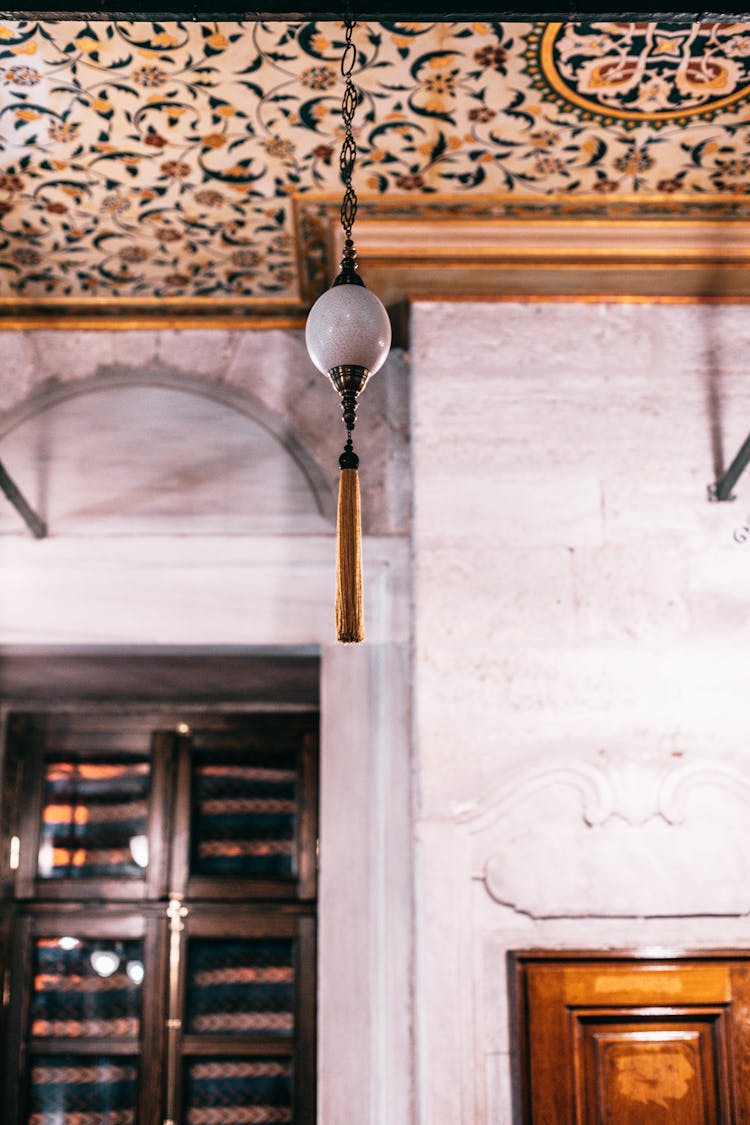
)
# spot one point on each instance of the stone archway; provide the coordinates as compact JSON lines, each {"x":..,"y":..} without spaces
{"x":125,"y":454}
{"x":265,"y":374}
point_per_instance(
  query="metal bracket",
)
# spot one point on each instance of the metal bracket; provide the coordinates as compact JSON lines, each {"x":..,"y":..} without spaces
{"x":722,"y":489}
{"x":36,"y":526}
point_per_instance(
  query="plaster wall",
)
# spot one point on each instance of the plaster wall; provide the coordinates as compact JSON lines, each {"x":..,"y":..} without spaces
{"x":581,"y":679}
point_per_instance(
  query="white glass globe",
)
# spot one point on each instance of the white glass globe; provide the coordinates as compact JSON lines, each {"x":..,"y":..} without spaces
{"x":348,"y":326}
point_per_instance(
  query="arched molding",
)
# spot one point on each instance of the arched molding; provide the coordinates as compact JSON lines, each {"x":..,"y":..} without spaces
{"x":588,"y":782}
{"x":680,"y":784}
{"x":53,"y":392}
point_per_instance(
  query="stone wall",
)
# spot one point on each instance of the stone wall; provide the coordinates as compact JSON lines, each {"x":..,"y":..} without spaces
{"x":581,"y":638}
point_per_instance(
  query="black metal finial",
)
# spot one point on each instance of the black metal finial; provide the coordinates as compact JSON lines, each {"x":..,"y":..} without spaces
{"x":349,"y":459}
{"x":348,"y":270}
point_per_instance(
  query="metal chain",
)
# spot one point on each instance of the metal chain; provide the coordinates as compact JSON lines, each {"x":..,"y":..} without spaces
{"x":348,"y":155}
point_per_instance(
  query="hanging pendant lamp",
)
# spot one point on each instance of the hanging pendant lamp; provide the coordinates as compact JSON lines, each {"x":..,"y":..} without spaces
{"x":348,"y":336}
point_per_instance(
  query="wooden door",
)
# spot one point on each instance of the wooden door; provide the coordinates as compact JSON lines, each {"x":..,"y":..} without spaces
{"x":157,"y":930}
{"x":628,"y":1040}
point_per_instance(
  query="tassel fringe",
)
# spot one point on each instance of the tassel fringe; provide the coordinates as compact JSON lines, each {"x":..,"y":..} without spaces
{"x":350,"y":623}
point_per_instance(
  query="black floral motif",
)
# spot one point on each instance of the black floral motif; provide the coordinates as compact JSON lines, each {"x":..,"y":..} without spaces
{"x":149,"y":76}
{"x":63,"y":130}
{"x":209,"y":198}
{"x":412,"y":182}
{"x":133,"y":254}
{"x":21,"y":76}
{"x":246,"y":258}
{"x":10,"y":182}
{"x":495,"y":57}
{"x":318,"y":78}
{"x":634,"y":162}
{"x":277,"y":146}
{"x":175,"y":169}
{"x":25,"y":256}
{"x":481,"y":114}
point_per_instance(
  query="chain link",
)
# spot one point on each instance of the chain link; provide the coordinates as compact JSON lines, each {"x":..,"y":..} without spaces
{"x":348,"y":155}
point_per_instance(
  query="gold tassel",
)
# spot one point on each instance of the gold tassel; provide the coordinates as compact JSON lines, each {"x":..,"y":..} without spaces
{"x":350,"y":622}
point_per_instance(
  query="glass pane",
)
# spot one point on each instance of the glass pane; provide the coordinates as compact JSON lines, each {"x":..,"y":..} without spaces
{"x":241,"y":987}
{"x":244,"y":816}
{"x":77,"y":1090}
{"x":85,"y":988}
{"x":94,"y":819}
{"x":240,"y":1092}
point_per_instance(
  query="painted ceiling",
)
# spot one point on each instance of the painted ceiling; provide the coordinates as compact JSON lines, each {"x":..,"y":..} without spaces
{"x":158,"y":160}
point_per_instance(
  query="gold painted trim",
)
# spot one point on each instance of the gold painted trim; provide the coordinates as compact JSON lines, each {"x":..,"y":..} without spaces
{"x":122,"y":313}
{"x":590,"y":212}
{"x":577,"y":201}
{"x":425,"y":297}
{"x":569,"y":262}
{"x":595,"y":223}
{"x":404,"y":237}
{"x":550,"y":73}
{"x":176,"y":304}
{"x":21,"y":321}
{"x":727,"y":226}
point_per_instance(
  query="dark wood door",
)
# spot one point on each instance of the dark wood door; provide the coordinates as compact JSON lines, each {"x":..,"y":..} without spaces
{"x":157,"y":925}
{"x":627,"y":1040}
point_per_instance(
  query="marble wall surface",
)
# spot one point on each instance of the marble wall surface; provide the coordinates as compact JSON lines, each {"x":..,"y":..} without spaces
{"x":581,"y":635}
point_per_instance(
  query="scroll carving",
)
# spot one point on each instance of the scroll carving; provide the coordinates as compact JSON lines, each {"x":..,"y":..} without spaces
{"x":642,"y":838}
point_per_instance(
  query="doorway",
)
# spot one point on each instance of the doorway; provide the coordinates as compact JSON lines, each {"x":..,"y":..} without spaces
{"x":159,"y":912}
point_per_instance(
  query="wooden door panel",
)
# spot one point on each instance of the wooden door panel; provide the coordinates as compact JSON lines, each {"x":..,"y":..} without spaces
{"x":612,"y":1040}
{"x":650,"y":1071}
{"x":664,"y":983}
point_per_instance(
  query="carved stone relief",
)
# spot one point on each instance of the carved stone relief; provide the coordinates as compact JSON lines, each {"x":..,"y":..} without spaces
{"x":642,"y":837}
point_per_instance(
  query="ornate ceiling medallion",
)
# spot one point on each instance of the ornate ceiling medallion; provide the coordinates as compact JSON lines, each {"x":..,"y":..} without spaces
{"x":633,"y":73}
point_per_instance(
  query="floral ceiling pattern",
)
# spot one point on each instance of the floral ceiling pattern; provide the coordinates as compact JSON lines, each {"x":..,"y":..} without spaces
{"x":156,"y":160}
